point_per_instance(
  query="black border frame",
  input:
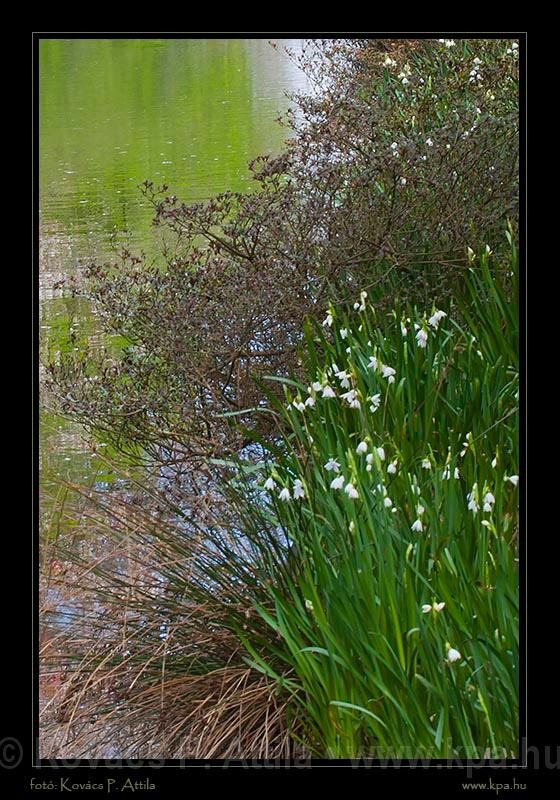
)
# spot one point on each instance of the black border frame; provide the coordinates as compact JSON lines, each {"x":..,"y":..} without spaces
{"x":30,"y":760}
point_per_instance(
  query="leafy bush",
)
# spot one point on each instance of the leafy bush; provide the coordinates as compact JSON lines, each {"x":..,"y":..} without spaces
{"x":402,"y":154}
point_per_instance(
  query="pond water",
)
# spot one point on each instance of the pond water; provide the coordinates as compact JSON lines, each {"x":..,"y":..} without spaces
{"x":114,"y":112}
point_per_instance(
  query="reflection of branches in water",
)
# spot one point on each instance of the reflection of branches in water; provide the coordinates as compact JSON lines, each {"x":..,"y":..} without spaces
{"x":140,"y":621}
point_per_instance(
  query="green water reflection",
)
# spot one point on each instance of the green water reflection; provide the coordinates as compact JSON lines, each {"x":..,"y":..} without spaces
{"x":113,"y":112}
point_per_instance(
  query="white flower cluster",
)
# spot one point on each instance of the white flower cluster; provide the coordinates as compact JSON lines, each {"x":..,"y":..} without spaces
{"x":375,"y":457}
{"x":472,"y":498}
{"x":404,"y":76}
{"x":387,"y":502}
{"x":488,"y":502}
{"x":284,"y":494}
{"x":300,"y":405}
{"x":351,"y":398}
{"x":468,"y":443}
{"x":421,"y":331}
{"x":437,"y":607}
{"x":446,"y":474}
{"x":436,"y":318}
{"x":453,"y":655}
{"x":475,"y":74}
{"x":417,"y":526}
{"x":343,"y":377}
{"x":338,"y":483}
{"x":422,"y":338}
{"x":375,"y":402}
{"x":386,"y":372}
{"x":361,"y":306}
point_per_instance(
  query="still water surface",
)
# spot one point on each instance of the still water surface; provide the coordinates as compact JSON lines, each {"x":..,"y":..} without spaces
{"x":113,"y":112}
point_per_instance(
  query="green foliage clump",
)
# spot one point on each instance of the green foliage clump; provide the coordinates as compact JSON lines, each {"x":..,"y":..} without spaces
{"x":396,"y":607}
